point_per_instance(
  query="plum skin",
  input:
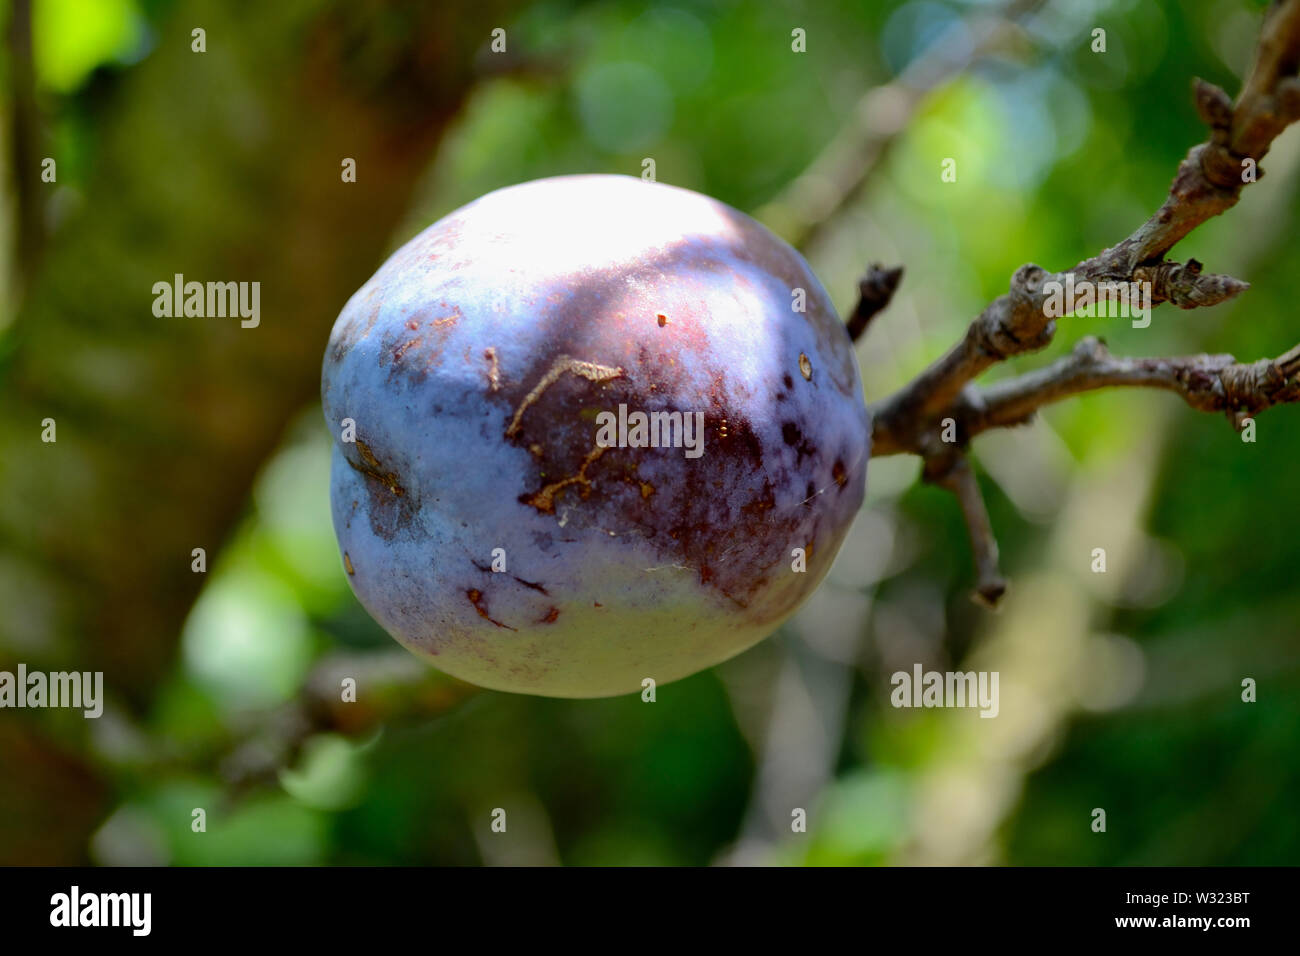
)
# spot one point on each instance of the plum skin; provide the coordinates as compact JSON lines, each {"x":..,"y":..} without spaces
{"x":474,"y":363}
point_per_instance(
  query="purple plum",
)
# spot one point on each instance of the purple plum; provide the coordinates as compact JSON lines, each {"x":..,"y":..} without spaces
{"x":601,"y":430}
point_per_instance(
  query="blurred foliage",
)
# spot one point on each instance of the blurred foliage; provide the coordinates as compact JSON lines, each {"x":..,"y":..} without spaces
{"x":1060,"y":153}
{"x":103,"y":33}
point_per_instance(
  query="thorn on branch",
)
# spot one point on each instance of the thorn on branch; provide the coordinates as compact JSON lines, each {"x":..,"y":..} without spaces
{"x":875,"y":289}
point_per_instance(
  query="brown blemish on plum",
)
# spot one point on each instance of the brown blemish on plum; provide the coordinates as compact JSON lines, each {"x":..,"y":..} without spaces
{"x":390,"y":507}
{"x":414,"y":355}
{"x":494,"y":369}
{"x":531,"y":584}
{"x":838,"y":473}
{"x":405,"y":346}
{"x":372,"y":468}
{"x":476,"y":598}
{"x":487,"y":569}
{"x":347,"y":563}
{"x":663,"y":319}
{"x":563,"y":363}
{"x":544,"y":500}
{"x":551,"y":615}
{"x":805,"y":366}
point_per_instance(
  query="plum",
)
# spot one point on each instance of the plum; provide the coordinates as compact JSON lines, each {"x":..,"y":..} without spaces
{"x":602,"y":430}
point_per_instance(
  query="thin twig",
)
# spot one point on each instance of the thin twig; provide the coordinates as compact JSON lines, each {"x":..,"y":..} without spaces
{"x":954,"y":473}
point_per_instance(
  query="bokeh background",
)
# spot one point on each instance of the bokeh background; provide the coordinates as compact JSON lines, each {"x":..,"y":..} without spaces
{"x":1119,"y":691}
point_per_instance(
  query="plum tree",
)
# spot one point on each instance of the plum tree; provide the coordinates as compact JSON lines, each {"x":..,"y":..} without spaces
{"x":591,"y":430}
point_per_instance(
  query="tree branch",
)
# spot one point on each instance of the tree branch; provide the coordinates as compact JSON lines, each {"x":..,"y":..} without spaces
{"x":939,"y":410}
{"x":1209,"y":181}
{"x":1208,"y":383}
